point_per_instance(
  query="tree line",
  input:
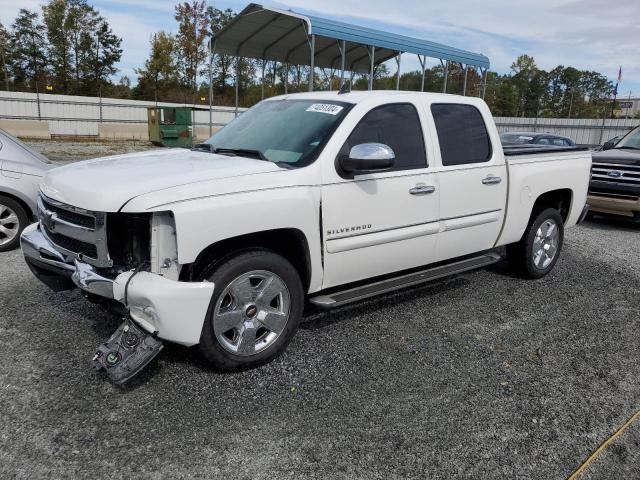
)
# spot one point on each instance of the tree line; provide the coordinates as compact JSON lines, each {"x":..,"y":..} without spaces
{"x":70,"y":48}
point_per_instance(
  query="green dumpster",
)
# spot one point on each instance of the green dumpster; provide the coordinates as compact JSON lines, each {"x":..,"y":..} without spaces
{"x":170,"y":126}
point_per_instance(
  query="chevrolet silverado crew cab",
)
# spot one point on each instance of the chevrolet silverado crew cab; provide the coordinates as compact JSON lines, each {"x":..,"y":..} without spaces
{"x":326,"y":198}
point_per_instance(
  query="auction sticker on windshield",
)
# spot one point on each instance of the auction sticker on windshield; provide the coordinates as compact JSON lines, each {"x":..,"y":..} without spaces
{"x":325,"y":108}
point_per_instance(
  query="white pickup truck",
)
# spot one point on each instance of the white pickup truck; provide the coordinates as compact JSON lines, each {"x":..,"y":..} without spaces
{"x":324,"y":198}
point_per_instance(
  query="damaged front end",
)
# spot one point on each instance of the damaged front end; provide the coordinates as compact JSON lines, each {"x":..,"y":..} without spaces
{"x":128,"y":259}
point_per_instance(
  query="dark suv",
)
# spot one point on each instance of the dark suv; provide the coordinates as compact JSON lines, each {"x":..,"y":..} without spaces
{"x":615,"y":178}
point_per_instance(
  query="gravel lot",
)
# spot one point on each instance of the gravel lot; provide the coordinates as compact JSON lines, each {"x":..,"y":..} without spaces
{"x":481,"y":375}
{"x":62,"y":151}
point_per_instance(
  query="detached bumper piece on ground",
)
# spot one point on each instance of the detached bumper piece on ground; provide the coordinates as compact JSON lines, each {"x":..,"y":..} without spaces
{"x":126,"y":353}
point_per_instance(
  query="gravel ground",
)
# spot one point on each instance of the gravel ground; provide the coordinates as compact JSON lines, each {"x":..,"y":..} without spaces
{"x":62,"y":151}
{"x":482,"y":376}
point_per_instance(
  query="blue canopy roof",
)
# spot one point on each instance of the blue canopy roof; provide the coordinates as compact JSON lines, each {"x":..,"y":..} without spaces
{"x":283,"y":35}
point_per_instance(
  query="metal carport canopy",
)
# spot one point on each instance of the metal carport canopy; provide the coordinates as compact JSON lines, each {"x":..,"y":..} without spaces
{"x":288,"y":37}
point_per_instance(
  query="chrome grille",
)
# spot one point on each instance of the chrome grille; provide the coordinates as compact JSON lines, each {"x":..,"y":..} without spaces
{"x":75,"y":231}
{"x":69,"y":216}
{"x":612,"y":180}
{"x":609,"y":172}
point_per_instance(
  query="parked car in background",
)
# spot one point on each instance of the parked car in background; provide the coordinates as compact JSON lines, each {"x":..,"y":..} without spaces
{"x":533,"y":138}
{"x":21,"y":170}
{"x":615,"y":178}
{"x":325,"y":197}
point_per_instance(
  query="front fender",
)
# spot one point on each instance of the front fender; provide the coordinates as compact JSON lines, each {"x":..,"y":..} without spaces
{"x":205,"y":221}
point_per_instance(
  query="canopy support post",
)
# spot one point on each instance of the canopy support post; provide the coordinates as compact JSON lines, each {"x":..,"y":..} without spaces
{"x":343,"y":54}
{"x":264,"y":67}
{"x":464,"y":86}
{"x":285,"y":76}
{"x":423,"y":64}
{"x":312,"y":46}
{"x":398,"y":61}
{"x":445,"y":67}
{"x":372,"y":56}
{"x":237,"y":85}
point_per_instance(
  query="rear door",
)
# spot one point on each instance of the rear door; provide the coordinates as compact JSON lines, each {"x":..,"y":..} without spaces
{"x":382,"y":222}
{"x":473,"y":180}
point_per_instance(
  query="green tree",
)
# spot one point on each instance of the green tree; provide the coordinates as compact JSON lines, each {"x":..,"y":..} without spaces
{"x":28,"y":49}
{"x":193,"y":30}
{"x":107,"y":53}
{"x":5,"y":50}
{"x":524,"y":71}
{"x":223,"y":65}
{"x":160,"y":72}
{"x":57,"y":21}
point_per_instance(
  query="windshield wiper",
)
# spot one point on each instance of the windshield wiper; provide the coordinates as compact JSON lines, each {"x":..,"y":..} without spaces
{"x":202,"y":147}
{"x":241,"y":152}
{"x":625,"y":147}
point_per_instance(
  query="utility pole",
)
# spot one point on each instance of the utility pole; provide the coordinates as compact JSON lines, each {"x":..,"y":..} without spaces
{"x":211,"y":85}
{"x":98,"y":75}
{"x":571,"y":103}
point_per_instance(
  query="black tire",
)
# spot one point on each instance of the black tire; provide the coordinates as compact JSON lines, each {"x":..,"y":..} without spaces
{"x":22,"y":222}
{"x":225,"y":271}
{"x":521,"y":255}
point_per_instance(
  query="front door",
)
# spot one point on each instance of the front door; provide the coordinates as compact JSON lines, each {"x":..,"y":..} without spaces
{"x":382,"y":222}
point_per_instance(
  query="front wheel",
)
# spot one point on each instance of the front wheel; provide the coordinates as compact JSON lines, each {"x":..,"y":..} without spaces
{"x":255,"y":310}
{"x":13,"y":219}
{"x":537,"y":252}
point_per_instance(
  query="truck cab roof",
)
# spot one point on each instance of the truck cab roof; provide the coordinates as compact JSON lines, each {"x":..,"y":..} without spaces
{"x":358,"y":96}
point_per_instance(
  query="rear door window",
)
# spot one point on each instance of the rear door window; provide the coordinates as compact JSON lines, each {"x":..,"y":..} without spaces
{"x":462,"y":134}
{"x":395,"y":125}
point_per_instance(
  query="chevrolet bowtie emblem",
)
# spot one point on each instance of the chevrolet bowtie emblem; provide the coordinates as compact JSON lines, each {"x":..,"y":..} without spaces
{"x":49,"y":220}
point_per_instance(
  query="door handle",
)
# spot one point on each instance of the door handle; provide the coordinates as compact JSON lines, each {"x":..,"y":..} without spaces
{"x":491,"y":180}
{"x":422,"y":189}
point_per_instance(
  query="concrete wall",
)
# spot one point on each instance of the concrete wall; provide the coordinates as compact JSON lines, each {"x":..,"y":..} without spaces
{"x":73,"y":115}
{"x":26,"y":128}
{"x":123,"y":131}
{"x":26,"y":114}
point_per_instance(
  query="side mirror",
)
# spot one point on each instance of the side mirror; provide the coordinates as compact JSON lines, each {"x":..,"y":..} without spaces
{"x":609,"y":144}
{"x":368,"y":157}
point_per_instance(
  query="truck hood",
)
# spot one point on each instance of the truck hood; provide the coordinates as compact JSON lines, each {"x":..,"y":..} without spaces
{"x":106,"y":184}
{"x":618,"y":156}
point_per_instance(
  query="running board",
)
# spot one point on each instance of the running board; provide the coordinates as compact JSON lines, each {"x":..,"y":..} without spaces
{"x":337,"y":299}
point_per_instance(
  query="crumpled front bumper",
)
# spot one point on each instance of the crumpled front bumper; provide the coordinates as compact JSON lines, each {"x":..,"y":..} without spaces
{"x":174,"y":310}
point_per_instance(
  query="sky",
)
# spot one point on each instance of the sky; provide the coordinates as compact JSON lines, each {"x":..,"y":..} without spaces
{"x":587,"y":34}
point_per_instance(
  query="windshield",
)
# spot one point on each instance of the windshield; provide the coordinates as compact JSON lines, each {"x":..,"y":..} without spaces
{"x":289,"y":132}
{"x":515,"y":139}
{"x":632,"y":140}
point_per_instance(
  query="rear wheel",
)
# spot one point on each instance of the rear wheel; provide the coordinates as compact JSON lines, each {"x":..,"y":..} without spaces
{"x":535,"y":255}
{"x":13,"y":219}
{"x":255,"y":310}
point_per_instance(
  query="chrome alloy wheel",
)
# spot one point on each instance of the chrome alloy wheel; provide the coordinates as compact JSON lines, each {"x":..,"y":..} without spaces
{"x":545,"y":244}
{"x":9,"y":225}
{"x":251,"y":312}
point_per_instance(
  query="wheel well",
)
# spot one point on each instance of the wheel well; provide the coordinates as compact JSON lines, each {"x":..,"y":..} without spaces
{"x":20,"y":201}
{"x":558,"y":199}
{"x":288,"y":242}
